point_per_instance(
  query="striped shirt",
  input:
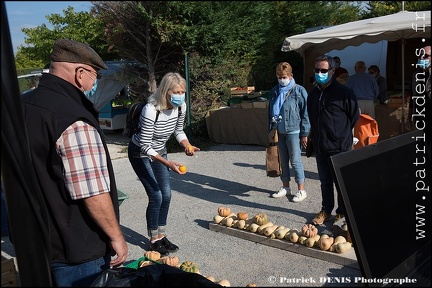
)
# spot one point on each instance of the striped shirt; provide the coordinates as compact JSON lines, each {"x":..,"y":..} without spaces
{"x":84,"y":160}
{"x":153,"y":135}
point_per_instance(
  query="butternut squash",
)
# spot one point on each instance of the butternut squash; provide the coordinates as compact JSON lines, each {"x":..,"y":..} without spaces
{"x":294,"y":236}
{"x":343,"y":247}
{"x":217,"y":219}
{"x":269,"y":230}
{"x":241,"y":224}
{"x":253,"y":227}
{"x":310,"y":242}
{"x":261,"y":228}
{"x":337,"y":240}
{"x":302,"y":240}
{"x":326,"y":243}
{"x":280,"y":233}
{"x":287,"y":235}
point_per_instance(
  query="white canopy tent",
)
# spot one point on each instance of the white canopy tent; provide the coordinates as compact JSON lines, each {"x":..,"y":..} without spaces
{"x":398,"y":26}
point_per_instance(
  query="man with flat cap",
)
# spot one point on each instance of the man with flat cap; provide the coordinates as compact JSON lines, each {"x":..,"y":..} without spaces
{"x":73,"y":166}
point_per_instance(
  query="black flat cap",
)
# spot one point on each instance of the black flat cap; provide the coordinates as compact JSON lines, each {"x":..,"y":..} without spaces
{"x":66,"y":50}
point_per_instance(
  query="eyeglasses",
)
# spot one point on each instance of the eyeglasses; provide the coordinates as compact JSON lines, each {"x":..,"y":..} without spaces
{"x":98,"y":75}
{"x":317,"y":70}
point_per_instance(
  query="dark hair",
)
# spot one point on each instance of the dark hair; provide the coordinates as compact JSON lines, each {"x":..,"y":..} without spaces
{"x":327,"y":58}
{"x":375,"y":68}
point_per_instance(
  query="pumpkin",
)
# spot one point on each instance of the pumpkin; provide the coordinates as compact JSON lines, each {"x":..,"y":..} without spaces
{"x":189,"y":266}
{"x":169,"y":260}
{"x":242,"y":215}
{"x":211,"y":278}
{"x":224,"y":211}
{"x":144,"y":263}
{"x":152,"y":255}
{"x":224,"y":283}
{"x":261,"y":219}
{"x":309,"y":230}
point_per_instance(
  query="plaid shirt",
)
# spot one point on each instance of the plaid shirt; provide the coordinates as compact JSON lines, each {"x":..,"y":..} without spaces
{"x":84,"y":160}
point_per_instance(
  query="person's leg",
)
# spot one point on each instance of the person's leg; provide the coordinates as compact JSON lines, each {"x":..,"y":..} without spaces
{"x":326,"y":179}
{"x":284,"y":159}
{"x":143,"y":169}
{"x":162,"y":175}
{"x":294,"y":151}
{"x":80,"y":275}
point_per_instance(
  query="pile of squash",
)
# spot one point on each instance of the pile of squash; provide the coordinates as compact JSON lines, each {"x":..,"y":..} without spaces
{"x":260,"y":223}
{"x":154,"y":257}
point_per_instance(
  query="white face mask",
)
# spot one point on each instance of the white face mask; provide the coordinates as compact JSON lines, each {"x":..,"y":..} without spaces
{"x":284,"y":82}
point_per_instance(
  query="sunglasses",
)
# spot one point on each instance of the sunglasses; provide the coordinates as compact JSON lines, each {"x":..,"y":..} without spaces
{"x":317,"y":70}
{"x":424,"y":56}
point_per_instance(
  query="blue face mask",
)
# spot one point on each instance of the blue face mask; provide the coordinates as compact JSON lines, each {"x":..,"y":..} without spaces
{"x":321,"y":78}
{"x":90,"y":93}
{"x":177,"y":99}
{"x":423,"y":63}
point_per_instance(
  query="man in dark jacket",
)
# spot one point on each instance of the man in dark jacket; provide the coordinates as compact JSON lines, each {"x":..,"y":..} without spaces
{"x":333,"y":111}
{"x":73,"y":166}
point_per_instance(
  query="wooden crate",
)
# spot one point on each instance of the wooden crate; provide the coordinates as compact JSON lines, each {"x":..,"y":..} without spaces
{"x":8,"y":273}
{"x":242,"y":90}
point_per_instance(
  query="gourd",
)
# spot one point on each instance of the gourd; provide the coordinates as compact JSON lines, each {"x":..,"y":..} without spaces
{"x":251,"y":285}
{"x":302,"y":239}
{"x":189,"y":266}
{"x":273,"y":235}
{"x":211,"y":278}
{"x":287,"y":235}
{"x":241,"y":224}
{"x":169,"y":260}
{"x":253,"y":227}
{"x":310,"y":242}
{"x":294,"y":236}
{"x":242,"y":215}
{"x":343,"y":247}
{"x":309,"y":230}
{"x":280,"y":233}
{"x":224,"y":211}
{"x":325,"y":244}
{"x":224,"y":283}
{"x":261,"y":228}
{"x":217,"y":219}
{"x":152,"y":255}
{"x":227,"y":221}
{"x":269,"y":230}
{"x":144,"y":263}
{"x":261,"y":219}
{"x":337,"y":240}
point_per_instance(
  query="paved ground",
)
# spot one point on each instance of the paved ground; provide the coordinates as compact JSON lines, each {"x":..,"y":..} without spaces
{"x":232,"y":176}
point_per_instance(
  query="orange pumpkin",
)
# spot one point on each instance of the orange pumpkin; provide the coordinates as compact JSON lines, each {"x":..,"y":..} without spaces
{"x":261,"y":219}
{"x":242,"y":215}
{"x":224,"y":211}
{"x":309,"y":230}
{"x":152,"y":255}
{"x":169,"y":260}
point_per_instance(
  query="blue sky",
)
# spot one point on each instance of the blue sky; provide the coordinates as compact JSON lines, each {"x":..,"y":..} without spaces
{"x":30,"y":14}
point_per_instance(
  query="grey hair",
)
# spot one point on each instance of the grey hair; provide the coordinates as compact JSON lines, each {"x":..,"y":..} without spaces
{"x":168,"y":82}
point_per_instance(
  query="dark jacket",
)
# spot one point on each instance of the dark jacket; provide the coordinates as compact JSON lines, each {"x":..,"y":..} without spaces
{"x":48,"y":111}
{"x":333,"y":113}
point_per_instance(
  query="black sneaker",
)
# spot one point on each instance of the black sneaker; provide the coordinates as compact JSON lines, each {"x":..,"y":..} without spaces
{"x":159,"y":247}
{"x":168,"y":245}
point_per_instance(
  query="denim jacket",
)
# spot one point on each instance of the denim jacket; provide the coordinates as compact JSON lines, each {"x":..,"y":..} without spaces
{"x":295,"y":115}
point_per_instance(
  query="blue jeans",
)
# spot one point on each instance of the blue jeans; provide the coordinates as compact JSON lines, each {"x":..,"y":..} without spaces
{"x":79,"y":275}
{"x":327,"y":188}
{"x":290,"y":151}
{"x":155,"y":178}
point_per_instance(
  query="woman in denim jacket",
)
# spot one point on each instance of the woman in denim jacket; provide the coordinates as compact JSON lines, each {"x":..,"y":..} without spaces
{"x":287,"y":112}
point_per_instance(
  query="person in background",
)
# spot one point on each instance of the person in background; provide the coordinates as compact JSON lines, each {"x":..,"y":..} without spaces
{"x":147,"y":153}
{"x":338,"y":69}
{"x":73,"y":165}
{"x":287,"y":112}
{"x":333,"y":112}
{"x":382,"y":83}
{"x":365,"y":88}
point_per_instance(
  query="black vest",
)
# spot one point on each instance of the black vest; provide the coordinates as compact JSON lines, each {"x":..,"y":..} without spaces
{"x":48,"y":111}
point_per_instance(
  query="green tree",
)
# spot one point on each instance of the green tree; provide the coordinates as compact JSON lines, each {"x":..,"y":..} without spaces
{"x":382,"y":8}
{"x":80,"y":26}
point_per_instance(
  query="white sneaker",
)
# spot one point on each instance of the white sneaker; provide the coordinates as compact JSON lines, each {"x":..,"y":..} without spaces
{"x":299,"y":196}
{"x":281,"y":193}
